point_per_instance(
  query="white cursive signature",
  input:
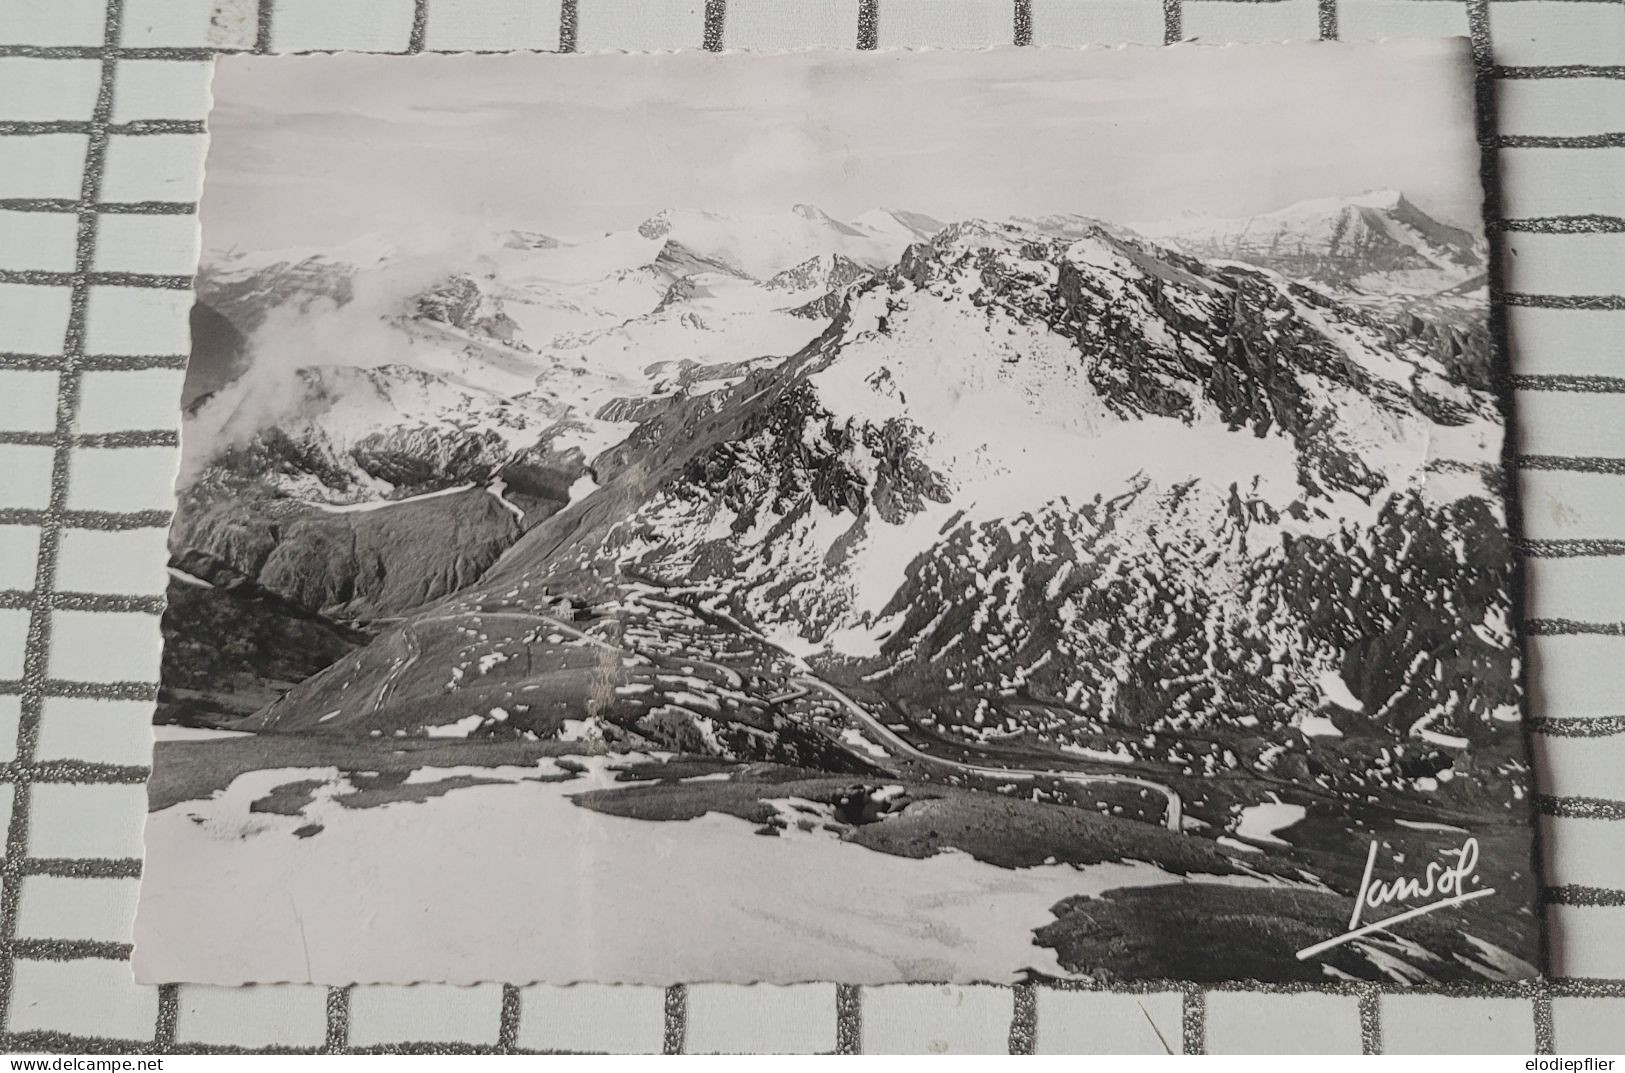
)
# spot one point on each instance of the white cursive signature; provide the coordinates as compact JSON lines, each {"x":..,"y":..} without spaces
{"x":1446,"y":879}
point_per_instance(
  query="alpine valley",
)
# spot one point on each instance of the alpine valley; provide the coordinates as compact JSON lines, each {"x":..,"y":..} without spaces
{"x":969,"y":599}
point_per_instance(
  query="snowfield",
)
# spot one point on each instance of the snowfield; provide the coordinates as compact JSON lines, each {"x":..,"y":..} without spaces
{"x":338,"y":906}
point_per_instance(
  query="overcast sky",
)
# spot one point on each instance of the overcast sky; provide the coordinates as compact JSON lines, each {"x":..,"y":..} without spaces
{"x":317,"y":150}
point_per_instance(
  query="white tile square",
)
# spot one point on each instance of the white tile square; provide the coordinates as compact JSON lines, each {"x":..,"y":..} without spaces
{"x":112,"y":401}
{"x":1569,"y":505}
{"x":1581,"y":341}
{"x":1248,"y":1022}
{"x":945,"y":23}
{"x":491,"y":25}
{"x":937,"y":1019}
{"x":1097,"y":22}
{"x":75,"y":907}
{"x":1562,"y":182}
{"x":122,"y":478}
{"x":153,"y":167}
{"x":640,"y":25}
{"x":7,"y":793}
{"x":1559,"y":106}
{"x":1564,"y":264}
{"x":1586,"y":941}
{"x":776,"y":24}
{"x":27,"y":400}
{"x":592,"y":1018}
{"x":161,"y":89}
{"x":88,"y":997}
{"x":1589,"y":1025}
{"x":13,"y":642}
{"x":104,"y":646}
{"x":19,"y":552}
{"x":34,"y":319}
{"x":42,"y":165}
{"x":138,"y":320}
{"x":1585,"y":588}
{"x":1368,"y":20}
{"x":283,"y":1015}
{"x":52,"y":22}
{"x":1575,"y":676}
{"x":76,"y":822}
{"x":762,"y":1019}
{"x":1447,"y":1024}
{"x":425,"y":1013}
{"x":1219,"y":21}
{"x":1579,"y":423}
{"x":1537,"y":32}
{"x":33,"y":88}
{"x":120,"y":562}
{"x":42,"y":241}
{"x":225,"y":24}
{"x":96,"y":731}
{"x":1095,"y":1022}
{"x":354,"y":25}
{"x":1581,"y":766}
{"x":164,"y":244}
{"x":28,"y":475}
{"x":11,"y":716}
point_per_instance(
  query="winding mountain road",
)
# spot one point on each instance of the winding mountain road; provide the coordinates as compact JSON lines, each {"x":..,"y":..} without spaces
{"x":888,"y":737}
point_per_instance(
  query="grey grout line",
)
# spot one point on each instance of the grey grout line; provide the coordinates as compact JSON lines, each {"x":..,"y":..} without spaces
{"x":1545,"y":1037}
{"x":36,"y":659}
{"x":868,"y":24}
{"x":24,"y":128}
{"x":1022,"y":30}
{"x":66,"y":205}
{"x":1570,"y":548}
{"x":420,"y":26}
{"x":12,"y":599}
{"x":169,"y":1008}
{"x":508,"y":1022}
{"x":567,"y":25}
{"x":1370,"y":1020}
{"x":1591,"y":897}
{"x":1578,"y":807}
{"x":1568,"y":627}
{"x":1569,"y":382}
{"x":1583,"y":224}
{"x":337,"y":1038}
{"x":87,"y":519}
{"x":1023,"y":1019}
{"x":1193,"y":1019}
{"x":1566,"y":301}
{"x":1173,"y":22}
{"x":1608,"y":140}
{"x":1569,"y":70}
{"x":716,"y":19}
{"x":130,"y":438}
{"x":30,"y":277}
{"x":1578,"y":726}
{"x":1326,"y":16}
{"x":1578,"y":464}
{"x":848,"y":1019}
{"x":264,"y":28}
{"x":676,"y":1019}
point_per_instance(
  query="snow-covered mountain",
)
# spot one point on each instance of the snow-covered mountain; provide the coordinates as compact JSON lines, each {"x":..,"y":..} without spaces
{"x":1038,"y":481}
{"x":1378,"y":242}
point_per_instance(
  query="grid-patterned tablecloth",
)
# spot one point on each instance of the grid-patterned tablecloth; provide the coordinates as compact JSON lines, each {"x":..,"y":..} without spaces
{"x":101,"y":152}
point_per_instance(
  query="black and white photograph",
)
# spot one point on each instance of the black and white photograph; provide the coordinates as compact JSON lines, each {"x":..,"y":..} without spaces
{"x":999,"y":516}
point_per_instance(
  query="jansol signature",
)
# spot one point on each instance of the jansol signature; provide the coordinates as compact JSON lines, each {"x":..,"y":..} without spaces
{"x":1450,"y":880}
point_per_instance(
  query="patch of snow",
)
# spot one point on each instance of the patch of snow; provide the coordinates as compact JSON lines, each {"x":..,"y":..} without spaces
{"x":233,"y":898}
